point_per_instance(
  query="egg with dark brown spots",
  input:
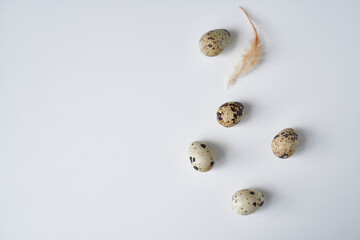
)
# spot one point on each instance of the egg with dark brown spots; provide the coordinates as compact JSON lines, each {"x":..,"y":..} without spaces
{"x":229,"y":114}
{"x":202,"y":157}
{"x":247,"y":201}
{"x":285,"y":143}
{"x":214,"y":42}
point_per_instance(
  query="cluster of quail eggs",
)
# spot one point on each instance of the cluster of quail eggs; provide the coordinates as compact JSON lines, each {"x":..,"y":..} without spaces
{"x":201,"y":155}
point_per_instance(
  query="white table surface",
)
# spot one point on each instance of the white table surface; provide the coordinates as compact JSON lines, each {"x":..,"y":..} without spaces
{"x":99,"y":101}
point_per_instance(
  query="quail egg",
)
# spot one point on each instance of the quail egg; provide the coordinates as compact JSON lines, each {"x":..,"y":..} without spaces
{"x":214,"y":42}
{"x":229,"y":114}
{"x":247,"y":201}
{"x":285,"y":143}
{"x":201,"y":156}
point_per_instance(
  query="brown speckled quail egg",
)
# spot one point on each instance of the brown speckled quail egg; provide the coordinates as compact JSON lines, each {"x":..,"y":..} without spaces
{"x":229,"y":114}
{"x":247,"y":201}
{"x":285,"y":143}
{"x":201,"y":156}
{"x":214,"y":42}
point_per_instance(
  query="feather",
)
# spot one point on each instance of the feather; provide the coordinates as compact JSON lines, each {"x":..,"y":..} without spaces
{"x":250,"y":58}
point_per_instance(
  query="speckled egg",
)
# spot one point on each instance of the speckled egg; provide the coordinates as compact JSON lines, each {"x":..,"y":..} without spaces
{"x":229,"y":114}
{"x":247,"y":201}
{"x":285,"y":143}
{"x":214,"y":42}
{"x":201,"y":156}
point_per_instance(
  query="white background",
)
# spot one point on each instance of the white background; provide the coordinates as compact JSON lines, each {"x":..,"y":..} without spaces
{"x":99,"y":101}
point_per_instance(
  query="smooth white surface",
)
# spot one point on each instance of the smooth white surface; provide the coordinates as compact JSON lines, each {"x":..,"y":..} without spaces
{"x":99,"y":101}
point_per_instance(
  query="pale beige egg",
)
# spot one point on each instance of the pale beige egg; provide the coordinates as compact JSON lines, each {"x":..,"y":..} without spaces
{"x":247,"y":201}
{"x":214,"y":42}
{"x":201,"y":156}
{"x":285,"y":143}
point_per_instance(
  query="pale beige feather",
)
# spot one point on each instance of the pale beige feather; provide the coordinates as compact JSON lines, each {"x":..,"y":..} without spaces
{"x":251,"y":56}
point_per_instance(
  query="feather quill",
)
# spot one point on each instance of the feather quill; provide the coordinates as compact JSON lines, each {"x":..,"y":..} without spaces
{"x":250,"y":58}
